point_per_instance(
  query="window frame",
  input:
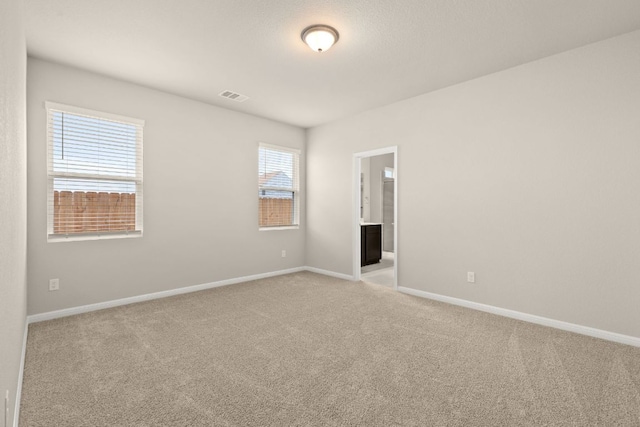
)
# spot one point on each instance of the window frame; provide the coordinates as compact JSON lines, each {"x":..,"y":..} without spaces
{"x":295,"y":188}
{"x":52,"y":107}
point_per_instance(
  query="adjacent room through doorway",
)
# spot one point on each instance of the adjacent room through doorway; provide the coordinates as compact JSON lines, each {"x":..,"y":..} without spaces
{"x":375,"y":225}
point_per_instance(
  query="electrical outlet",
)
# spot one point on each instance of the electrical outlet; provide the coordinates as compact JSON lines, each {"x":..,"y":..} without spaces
{"x":54,"y":284}
{"x":284,"y":253}
{"x":471,"y":277}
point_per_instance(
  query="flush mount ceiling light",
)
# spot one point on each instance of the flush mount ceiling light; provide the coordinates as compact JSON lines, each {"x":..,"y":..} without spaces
{"x":320,"y":37}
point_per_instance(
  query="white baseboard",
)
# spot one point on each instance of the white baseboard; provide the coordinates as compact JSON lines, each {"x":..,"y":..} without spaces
{"x":329,"y":273}
{"x":16,"y":411}
{"x":558,"y":324}
{"x":156,"y":295}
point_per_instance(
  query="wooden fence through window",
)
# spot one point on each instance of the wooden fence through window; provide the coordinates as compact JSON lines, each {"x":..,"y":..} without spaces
{"x":87,"y":212}
{"x":275,"y":212}
{"x":80,"y":212}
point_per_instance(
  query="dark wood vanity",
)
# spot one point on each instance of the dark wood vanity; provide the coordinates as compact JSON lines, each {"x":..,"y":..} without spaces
{"x":370,"y":243}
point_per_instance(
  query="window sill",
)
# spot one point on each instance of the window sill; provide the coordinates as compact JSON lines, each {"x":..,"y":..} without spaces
{"x":55,"y":238}
{"x":288,"y":227}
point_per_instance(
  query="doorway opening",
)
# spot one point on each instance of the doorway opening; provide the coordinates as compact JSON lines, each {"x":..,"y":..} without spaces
{"x":375,"y":225}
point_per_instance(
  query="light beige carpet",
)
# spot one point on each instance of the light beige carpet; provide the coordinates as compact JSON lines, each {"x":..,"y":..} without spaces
{"x":309,"y":350}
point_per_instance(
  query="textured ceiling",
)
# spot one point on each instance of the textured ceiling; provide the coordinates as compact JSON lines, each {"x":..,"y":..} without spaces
{"x":388,"y":50}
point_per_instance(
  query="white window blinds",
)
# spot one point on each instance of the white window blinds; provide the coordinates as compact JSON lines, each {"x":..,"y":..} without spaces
{"x":278,"y":186}
{"x":94,"y":170}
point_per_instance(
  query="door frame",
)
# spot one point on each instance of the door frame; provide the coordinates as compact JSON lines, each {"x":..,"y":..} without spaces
{"x":357,"y":157}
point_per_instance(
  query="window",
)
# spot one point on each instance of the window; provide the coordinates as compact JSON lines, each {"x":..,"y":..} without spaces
{"x":94,"y":171}
{"x":278,"y":187}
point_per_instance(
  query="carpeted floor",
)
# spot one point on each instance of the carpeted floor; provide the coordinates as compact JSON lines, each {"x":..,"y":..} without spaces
{"x":310,"y":350}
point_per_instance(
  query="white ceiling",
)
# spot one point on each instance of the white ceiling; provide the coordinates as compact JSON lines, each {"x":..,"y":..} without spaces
{"x":388,"y":50}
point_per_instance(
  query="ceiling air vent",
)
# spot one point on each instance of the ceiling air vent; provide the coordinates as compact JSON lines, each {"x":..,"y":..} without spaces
{"x":233,"y":96}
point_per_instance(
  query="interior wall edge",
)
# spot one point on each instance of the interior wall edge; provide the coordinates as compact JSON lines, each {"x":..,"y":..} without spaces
{"x":16,"y":418}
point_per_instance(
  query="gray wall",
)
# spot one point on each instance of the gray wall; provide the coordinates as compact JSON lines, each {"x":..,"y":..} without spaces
{"x":200,"y":196}
{"x":13,"y":197}
{"x":377,"y":165}
{"x":528,"y":177}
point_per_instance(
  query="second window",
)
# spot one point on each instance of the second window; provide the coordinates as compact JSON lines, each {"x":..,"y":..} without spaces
{"x":278,"y":187}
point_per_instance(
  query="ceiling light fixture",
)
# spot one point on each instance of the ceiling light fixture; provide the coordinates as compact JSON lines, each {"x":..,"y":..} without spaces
{"x":320,"y":37}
